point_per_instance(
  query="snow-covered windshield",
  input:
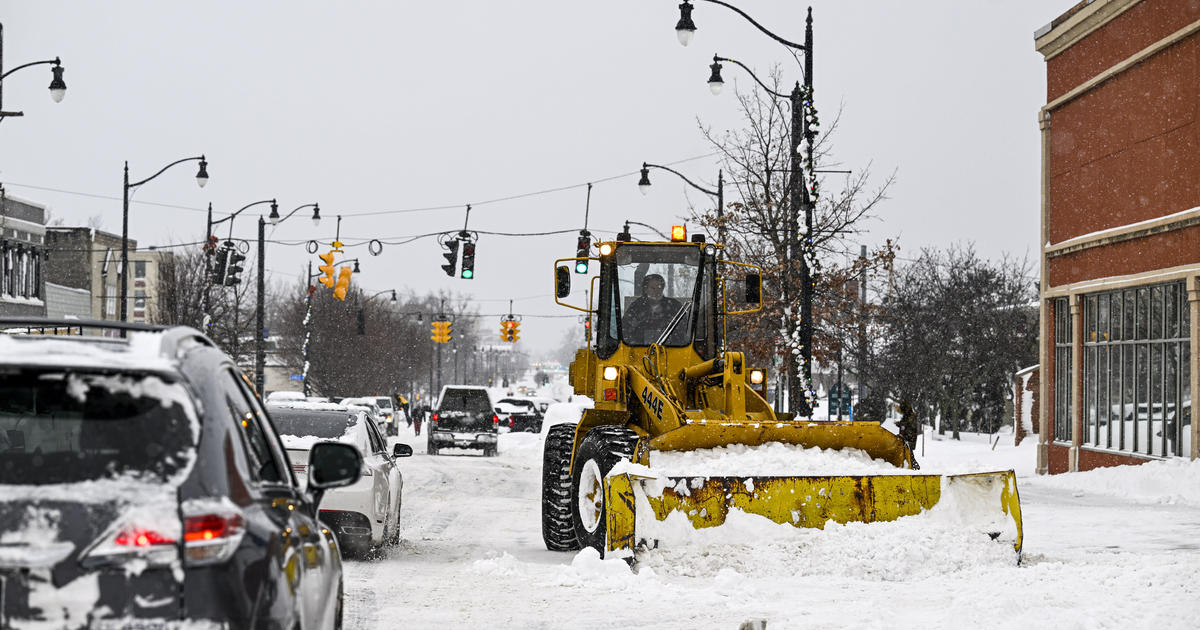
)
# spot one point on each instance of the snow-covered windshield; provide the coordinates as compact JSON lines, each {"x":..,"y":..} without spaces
{"x":61,"y":426}
{"x":654,"y":283}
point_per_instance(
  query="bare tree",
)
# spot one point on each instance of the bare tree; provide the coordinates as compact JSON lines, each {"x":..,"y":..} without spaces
{"x":757,"y":227}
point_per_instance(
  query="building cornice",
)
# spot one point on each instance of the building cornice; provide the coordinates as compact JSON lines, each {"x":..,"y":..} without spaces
{"x":1141,"y":229}
{"x":1053,"y":39}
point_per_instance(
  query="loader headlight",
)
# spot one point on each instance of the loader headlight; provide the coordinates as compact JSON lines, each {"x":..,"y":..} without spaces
{"x":757,"y":376}
{"x":606,"y":249}
{"x":610,"y":373}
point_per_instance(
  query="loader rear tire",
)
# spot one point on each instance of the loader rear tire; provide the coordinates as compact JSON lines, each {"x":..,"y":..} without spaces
{"x":600,"y":451}
{"x":558,"y":530}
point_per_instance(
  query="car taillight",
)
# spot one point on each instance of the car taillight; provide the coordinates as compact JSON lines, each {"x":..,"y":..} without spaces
{"x":434,"y":418}
{"x":495,"y":419}
{"x":511,"y":423}
{"x":142,"y":536}
{"x":211,"y":536}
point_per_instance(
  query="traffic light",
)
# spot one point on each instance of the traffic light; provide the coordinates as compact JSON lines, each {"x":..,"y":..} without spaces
{"x":510,"y":330}
{"x":468,"y":261}
{"x":327,"y":270}
{"x":343,"y":283}
{"x":451,"y":256}
{"x":582,"y":248}
{"x":441,"y":331}
{"x":218,"y":270}
{"x":233,"y":268}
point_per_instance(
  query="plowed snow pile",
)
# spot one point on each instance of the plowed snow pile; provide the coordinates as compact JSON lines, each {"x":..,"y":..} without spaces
{"x":925,"y":545}
{"x":774,"y":459}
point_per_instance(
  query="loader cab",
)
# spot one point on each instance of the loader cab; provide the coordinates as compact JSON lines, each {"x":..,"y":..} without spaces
{"x":661,"y":293}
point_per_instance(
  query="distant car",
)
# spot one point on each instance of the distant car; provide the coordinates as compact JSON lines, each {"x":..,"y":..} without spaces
{"x":144,"y":486}
{"x":382,"y":420}
{"x":522,"y":413}
{"x":465,"y":418}
{"x":365,"y":515}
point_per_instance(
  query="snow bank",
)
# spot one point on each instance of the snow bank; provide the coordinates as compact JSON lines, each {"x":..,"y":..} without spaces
{"x":1172,"y":481}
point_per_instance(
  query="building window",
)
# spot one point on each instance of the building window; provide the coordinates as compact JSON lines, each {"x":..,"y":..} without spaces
{"x":1137,"y":395}
{"x":139,"y":299}
{"x":139,"y":269}
{"x":1062,"y":370}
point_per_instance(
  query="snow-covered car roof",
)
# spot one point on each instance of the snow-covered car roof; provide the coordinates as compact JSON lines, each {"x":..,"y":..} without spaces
{"x":140,"y":351}
{"x":309,"y":405}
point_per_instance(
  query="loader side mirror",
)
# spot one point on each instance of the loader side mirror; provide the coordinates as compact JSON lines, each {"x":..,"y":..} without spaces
{"x":753,"y":288}
{"x":562,"y":281}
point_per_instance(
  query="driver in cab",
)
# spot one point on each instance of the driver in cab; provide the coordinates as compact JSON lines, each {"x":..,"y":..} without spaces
{"x":649,"y":314}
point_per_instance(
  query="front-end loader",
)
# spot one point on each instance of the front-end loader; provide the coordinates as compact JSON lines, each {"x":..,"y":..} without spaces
{"x":661,"y":379}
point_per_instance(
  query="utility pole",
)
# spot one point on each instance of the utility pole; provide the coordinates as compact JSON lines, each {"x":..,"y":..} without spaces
{"x":862,"y":325}
{"x":308,"y":299}
{"x":260,"y":348}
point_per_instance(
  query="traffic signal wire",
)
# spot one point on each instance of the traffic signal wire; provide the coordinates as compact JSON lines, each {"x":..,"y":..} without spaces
{"x":526,"y":195}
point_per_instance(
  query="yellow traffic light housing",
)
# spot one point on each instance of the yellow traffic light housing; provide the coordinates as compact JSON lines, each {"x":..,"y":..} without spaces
{"x":442,"y":332}
{"x":343,"y":283}
{"x":327,"y":270}
{"x":514,"y":333}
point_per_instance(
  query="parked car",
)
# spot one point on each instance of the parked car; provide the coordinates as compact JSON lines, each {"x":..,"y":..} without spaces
{"x":523,"y":414}
{"x":465,"y":418}
{"x":365,"y":516}
{"x":144,"y":485}
{"x":368,"y":404}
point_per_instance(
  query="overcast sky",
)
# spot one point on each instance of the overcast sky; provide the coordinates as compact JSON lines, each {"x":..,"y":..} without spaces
{"x":380,"y":109}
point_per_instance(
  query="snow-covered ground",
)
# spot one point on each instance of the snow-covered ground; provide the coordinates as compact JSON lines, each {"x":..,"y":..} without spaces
{"x":1103,"y":549}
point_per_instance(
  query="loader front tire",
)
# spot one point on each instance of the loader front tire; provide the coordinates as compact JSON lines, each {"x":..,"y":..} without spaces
{"x":601,"y":450}
{"x":558,"y":530}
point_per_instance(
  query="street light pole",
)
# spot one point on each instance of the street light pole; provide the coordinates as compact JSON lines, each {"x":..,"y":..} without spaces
{"x":201,"y":179}
{"x":260,"y":342}
{"x":58,"y":88}
{"x":802,"y":197}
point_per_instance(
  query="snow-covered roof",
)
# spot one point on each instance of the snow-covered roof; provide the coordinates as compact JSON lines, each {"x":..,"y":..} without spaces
{"x":139,"y":351}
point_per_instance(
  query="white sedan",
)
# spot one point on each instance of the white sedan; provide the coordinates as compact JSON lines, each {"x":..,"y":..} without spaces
{"x":366,"y":515}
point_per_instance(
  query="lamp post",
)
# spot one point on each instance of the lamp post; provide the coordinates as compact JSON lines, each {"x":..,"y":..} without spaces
{"x":803,"y":125}
{"x":201,"y":179}
{"x":58,"y":88}
{"x":260,"y":349}
{"x":719,"y":193}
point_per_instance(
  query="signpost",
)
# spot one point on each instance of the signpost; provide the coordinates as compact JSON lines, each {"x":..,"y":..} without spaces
{"x":839,"y":400}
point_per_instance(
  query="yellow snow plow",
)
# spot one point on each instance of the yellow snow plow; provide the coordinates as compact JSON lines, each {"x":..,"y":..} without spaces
{"x":664,"y":384}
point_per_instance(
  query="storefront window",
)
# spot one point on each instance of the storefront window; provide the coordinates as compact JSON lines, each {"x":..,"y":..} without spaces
{"x":1136,"y":388}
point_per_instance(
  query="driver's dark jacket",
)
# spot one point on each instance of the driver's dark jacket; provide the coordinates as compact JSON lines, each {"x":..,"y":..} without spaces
{"x":645,"y":319}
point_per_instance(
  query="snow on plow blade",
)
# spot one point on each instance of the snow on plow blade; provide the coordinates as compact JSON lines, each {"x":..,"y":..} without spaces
{"x":986,"y":501}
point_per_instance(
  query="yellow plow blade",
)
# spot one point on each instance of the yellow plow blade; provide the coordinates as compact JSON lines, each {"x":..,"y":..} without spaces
{"x":987,"y":501}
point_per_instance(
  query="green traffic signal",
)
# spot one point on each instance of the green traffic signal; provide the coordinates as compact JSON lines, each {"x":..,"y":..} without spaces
{"x":468,"y":273}
{"x":581,"y":266}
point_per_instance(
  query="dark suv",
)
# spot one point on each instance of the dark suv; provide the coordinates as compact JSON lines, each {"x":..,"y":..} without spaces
{"x":465,"y":418}
{"x":142,"y":484}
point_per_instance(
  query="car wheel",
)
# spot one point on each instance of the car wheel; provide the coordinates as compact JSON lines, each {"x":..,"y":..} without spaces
{"x":558,"y":530}
{"x":600,"y":451}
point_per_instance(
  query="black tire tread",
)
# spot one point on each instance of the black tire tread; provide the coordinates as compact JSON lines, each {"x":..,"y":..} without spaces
{"x":558,"y":529}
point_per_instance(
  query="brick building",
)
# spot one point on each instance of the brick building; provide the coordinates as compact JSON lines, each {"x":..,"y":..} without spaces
{"x":1120,"y":299}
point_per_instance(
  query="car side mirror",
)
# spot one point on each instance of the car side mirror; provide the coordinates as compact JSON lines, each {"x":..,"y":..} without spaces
{"x":401,"y":450}
{"x":753,"y":288}
{"x":333,"y":465}
{"x":562,"y":281}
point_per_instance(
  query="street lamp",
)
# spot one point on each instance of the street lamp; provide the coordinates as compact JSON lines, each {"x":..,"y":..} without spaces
{"x":58,"y":88}
{"x":719,"y":193}
{"x":804,"y":125}
{"x":201,"y":180}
